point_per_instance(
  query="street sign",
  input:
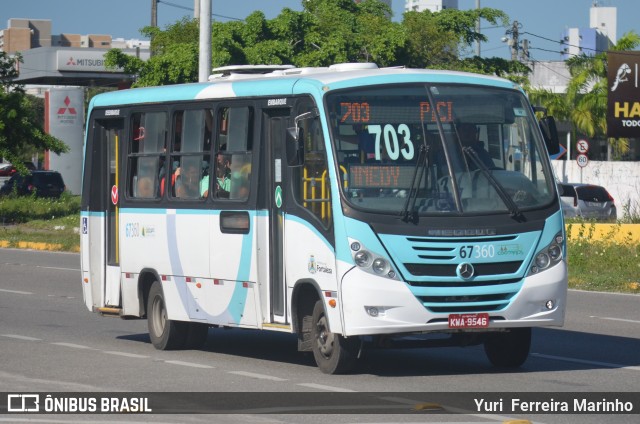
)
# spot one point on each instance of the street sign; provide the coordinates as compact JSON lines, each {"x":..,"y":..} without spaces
{"x":582,"y":160}
{"x":562,"y":152}
{"x":582,"y":146}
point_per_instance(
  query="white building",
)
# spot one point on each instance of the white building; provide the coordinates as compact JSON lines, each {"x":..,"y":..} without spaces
{"x":432,"y":5}
{"x":600,"y":35}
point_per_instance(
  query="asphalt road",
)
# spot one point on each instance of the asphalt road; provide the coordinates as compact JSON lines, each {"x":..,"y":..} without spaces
{"x":50,"y":342}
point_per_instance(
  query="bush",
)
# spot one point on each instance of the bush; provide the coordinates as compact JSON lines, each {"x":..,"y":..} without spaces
{"x":20,"y":209}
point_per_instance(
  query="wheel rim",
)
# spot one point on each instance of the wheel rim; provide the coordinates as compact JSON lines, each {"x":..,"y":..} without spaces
{"x":158,"y":316}
{"x":324,"y":338}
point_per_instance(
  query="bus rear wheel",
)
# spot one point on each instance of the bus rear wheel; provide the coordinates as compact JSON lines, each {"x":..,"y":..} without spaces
{"x":333,"y":353}
{"x":165,"y":334}
{"x":509,"y":349}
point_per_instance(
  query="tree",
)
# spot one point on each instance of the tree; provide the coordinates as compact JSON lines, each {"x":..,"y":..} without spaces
{"x":325,"y":32}
{"x":21,"y":130}
{"x":435,"y":39}
{"x":174,"y":59}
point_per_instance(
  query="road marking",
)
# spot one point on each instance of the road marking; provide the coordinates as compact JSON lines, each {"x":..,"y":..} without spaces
{"x":260,"y":376}
{"x":58,"y":268}
{"x":15,"y":291}
{"x":128,"y":355}
{"x":75,"y":346}
{"x":188,"y":364}
{"x":327,"y":388}
{"x":616,"y":319}
{"x":583,"y":361}
{"x":19,"y":337}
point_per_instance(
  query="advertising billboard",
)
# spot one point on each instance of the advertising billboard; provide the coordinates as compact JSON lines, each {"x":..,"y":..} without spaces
{"x":623,"y":106}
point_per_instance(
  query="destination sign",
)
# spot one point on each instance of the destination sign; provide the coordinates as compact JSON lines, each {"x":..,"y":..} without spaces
{"x":395,"y":111}
{"x":380,"y":176}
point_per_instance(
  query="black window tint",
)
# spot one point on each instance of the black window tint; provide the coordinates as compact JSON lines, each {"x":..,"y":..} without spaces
{"x":593,"y":193}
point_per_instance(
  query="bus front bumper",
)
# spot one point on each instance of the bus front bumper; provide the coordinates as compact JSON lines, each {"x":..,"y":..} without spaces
{"x":376,"y":305}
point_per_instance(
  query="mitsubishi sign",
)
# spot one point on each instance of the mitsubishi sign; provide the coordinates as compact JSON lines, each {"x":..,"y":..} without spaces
{"x":81,"y":60}
{"x":623,"y":108}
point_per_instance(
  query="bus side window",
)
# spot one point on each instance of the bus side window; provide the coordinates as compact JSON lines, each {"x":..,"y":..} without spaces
{"x":233,"y":153}
{"x":146,"y":149}
{"x":190,"y":155}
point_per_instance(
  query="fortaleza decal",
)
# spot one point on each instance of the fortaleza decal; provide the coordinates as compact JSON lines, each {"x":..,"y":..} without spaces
{"x":315,"y":266}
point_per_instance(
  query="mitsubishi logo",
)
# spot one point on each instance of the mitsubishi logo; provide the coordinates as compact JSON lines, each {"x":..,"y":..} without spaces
{"x":62,"y":110}
{"x":465,"y":271}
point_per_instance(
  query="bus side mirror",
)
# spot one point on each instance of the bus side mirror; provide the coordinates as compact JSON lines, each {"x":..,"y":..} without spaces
{"x":295,"y":139}
{"x":295,"y":146}
{"x":550,"y":134}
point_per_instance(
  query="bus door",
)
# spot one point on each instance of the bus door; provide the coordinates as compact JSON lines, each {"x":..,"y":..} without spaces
{"x":101,"y":262}
{"x":276,"y":122}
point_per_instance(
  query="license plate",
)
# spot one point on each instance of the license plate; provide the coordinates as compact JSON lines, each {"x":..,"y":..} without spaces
{"x":594,"y":204}
{"x":480,"y":320}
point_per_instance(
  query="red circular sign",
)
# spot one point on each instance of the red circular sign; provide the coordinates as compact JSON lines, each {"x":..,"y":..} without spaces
{"x":114,"y":195}
{"x":582,"y":146}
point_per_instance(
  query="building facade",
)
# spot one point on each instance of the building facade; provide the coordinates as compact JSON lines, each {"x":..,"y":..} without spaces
{"x":598,"y":37}
{"x":432,"y":5}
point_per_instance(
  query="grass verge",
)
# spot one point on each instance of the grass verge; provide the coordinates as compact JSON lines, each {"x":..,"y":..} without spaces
{"x":608,"y":261}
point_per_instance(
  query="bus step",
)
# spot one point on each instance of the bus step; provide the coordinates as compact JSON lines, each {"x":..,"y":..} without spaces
{"x":109,"y":312}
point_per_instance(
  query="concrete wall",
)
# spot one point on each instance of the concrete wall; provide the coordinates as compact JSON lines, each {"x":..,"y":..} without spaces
{"x":621,"y":179}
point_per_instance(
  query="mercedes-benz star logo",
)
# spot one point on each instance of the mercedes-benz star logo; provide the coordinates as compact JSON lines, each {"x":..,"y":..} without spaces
{"x":465,"y":270}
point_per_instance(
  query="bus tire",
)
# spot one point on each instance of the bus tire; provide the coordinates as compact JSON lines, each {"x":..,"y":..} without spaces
{"x":165,"y":334}
{"x":196,"y":335}
{"x":509,"y":349}
{"x":333,"y":353}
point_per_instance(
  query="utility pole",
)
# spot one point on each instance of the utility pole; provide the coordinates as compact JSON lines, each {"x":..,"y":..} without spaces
{"x":524,"y":54}
{"x":154,"y":19}
{"x":196,"y":9}
{"x":514,"y":42}
{"x":478,"y":29}
{"x":154,"y":13}
{"x":204,"y":62}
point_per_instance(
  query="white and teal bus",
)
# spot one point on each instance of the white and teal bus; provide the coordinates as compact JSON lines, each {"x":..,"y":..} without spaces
{"x":352,"y":206}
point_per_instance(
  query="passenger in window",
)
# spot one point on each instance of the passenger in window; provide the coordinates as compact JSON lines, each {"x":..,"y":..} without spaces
{"x":223,"y":176}
{"x":145,"y":188}
{"x":187,"y":181}
{"x":241,"y":176}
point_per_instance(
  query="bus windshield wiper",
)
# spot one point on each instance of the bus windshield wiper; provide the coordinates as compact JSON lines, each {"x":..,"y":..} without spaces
{"x":508,"y":201}
{"x":408,"y":211}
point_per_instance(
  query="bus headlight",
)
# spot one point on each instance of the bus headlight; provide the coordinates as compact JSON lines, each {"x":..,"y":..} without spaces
{"x":380,"y":266}
{"x":548,"y":256}
{"x":372,"y":262}
{"x":542,"y":260}
{"x":362,"y":258}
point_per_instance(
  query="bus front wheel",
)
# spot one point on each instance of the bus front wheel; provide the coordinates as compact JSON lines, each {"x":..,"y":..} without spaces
{"x":509,"y":349}
{"x":333,"y":353}
{"x":165,"y":334}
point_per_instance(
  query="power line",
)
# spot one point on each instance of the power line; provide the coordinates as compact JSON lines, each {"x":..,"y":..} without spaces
{"x":179,"y":6}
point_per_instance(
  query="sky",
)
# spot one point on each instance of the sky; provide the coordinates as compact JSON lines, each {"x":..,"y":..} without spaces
{"x":542,"y":19}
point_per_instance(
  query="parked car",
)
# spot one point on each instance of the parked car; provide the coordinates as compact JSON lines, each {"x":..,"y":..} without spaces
{"x":7,"y":169}
{"x":43,"y":183}
{"x":587,"y":201}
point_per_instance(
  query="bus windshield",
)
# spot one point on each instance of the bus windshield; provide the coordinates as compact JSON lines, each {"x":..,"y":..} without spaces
{"x":439,"y":149}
